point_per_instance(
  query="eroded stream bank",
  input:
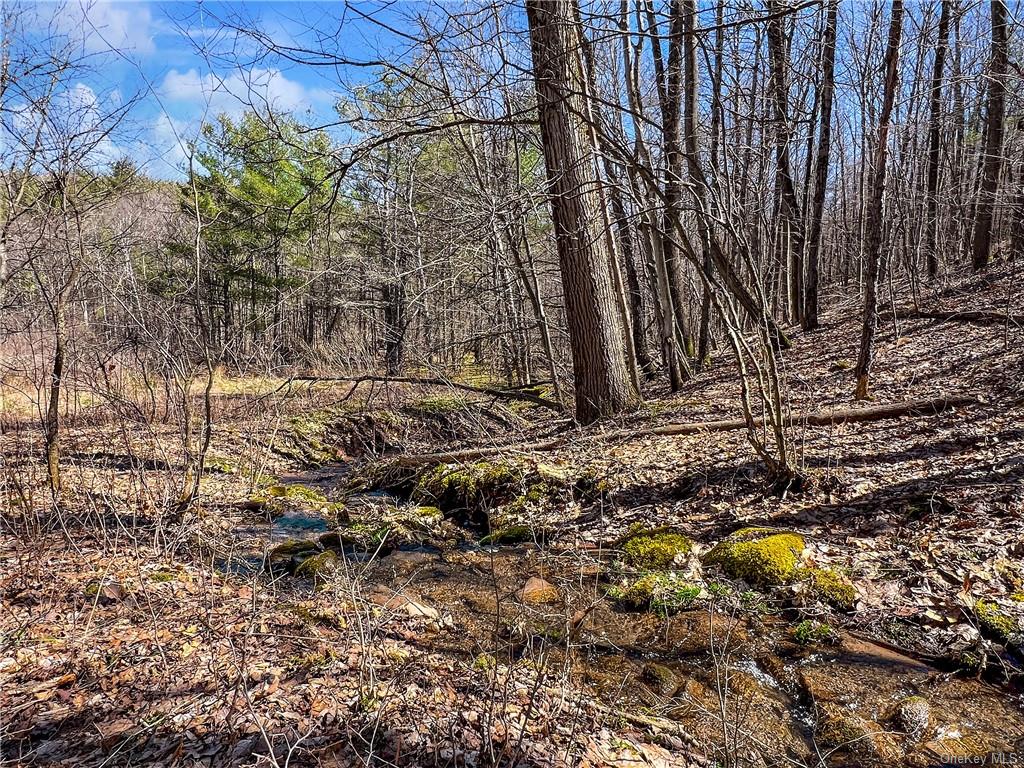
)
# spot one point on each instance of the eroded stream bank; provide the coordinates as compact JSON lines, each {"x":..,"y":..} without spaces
{"x":699,"y":660}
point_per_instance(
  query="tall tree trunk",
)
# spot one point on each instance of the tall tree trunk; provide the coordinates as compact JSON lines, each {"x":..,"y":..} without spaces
{"x":603,"y":385}
{"x":790,"y":229}
{"x":717,"y":127}
{"x":688,"y":10}
{"x":651,"y":238}
{"x":994,"y":115}
{"x":674,"y":160}
{"x":633,"y":292}
{"x":52,"y":430}
{"x":821,"y":161}
{"x":873,"y":211}
{"x":394,"y":326}
{"x":934,"y":141}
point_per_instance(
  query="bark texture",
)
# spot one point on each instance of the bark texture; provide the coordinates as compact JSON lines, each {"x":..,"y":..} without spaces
{"x":599,"y":363}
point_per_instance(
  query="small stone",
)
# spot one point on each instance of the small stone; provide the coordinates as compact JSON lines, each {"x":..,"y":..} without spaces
{"x":402,"y":603}
{"x":537,"y":591}
{"x":419,"y":610}
{"x":913,"y":715}
{"x":840,"y":729}
{"x":106,"y":592}
{"x":660,"y":678}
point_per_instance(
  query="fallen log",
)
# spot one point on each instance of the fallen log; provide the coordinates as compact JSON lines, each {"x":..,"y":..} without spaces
{"x":925,"y":407}
{"x":980,"y":317}
{"x":507,"y":394}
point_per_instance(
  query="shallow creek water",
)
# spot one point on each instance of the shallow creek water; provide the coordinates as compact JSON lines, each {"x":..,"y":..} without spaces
{"x":724,"y":677}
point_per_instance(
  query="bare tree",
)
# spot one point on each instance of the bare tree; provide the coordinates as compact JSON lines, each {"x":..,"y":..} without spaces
{"x":995,"y":110}
{"x":821,"y":164}
{"x":873,"y":227}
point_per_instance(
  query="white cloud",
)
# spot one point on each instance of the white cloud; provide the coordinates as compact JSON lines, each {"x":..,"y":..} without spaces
{"x":105,"y":25}
{"x":239,"y":91}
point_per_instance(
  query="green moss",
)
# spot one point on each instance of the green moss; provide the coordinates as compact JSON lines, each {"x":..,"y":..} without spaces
{"x":438,"y":405}
{"x":318,"y":567}
{"x":830,"y":587}
{"x":485,"y":662}
{"x":662,"y":592}
{"x":809,"y":632}
{"x":994,"y":622}
{"x":969,"y":661}
{"x":309,"y":436}
{"x":161,"y":577}
{"x":278,"y":499}
{"x":752,"y":601}
{"x":292,"y":547}
{"x":420,"y":518}
{"x":510,"y":534}
{"x":471,"y":486}
{"x":296,"y":493}
{"x":758,"y":556}
{"x":370,"y":534}
{"x":655,"y":549}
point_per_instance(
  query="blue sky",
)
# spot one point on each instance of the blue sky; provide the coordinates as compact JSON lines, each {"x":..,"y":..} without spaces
{"x":181,"y":65}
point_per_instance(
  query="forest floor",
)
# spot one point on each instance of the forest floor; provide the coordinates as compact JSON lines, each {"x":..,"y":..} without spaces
{"x":318,"y":609}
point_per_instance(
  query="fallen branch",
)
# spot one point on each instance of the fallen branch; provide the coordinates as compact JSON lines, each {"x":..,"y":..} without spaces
{"x":813,"y":418}
{"x":981,"y":317}
{"x":507,"y":394}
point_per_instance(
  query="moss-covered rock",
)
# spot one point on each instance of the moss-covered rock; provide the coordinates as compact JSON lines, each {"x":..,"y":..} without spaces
{"x":831,"y":587}
{"x":318,"y":567}
{"x":468,"y":487}
{"x":662,"y":592}
{"x":292,"y":547}
{"x":995,"y":622}
{"x":506,"y":535}
{"x":660,"y":678}
{"x":655,"y":549}
{"x":538,"y":495}
{"x":285,"y":557}
{"x":307,"y":439}
{"x":759,"y":556}
{"x":835,"y":727}
{"x":296,"y":492}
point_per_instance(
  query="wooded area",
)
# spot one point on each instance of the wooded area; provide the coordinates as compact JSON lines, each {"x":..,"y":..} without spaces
{"x":573,"y":275}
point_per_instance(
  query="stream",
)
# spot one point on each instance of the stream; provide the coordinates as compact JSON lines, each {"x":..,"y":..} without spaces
{"x":848,"y":701}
